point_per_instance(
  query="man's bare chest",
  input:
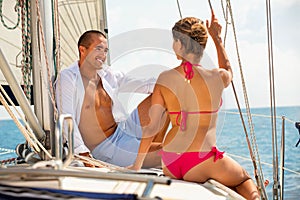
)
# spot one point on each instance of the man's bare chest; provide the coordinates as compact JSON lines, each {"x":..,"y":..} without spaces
{"x":102,"y":98}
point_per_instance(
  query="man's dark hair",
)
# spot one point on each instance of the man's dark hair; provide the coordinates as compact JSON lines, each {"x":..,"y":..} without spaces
{"x":86,"y":38}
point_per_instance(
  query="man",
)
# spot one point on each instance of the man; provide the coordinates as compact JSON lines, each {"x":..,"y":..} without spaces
{"x":88,"y":92}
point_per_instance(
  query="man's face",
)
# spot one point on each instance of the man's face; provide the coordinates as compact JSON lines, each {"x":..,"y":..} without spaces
{"x":95,"y":54}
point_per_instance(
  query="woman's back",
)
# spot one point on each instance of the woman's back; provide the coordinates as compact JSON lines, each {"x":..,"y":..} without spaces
{"x":189,"y":150}
{"x":192,"y":107}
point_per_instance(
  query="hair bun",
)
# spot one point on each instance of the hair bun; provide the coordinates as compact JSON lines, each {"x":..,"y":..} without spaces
{"x":188,"y":30}
{"x":198,"y":32}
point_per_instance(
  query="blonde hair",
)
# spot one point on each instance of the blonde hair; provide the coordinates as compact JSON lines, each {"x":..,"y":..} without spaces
{"x":192,"y":34}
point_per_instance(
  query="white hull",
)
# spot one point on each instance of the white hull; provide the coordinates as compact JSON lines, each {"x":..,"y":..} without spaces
{"x":100,"y":180}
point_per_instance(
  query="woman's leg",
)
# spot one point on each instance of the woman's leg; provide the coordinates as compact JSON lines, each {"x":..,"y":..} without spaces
{"x":226,"y":171}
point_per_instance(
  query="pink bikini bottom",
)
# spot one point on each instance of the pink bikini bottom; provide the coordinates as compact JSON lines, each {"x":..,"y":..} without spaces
{"x":180,"y":163}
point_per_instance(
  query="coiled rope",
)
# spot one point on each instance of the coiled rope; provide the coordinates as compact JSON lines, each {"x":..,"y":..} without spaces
{"x":17,"y":9}
{"x":26,"y":48}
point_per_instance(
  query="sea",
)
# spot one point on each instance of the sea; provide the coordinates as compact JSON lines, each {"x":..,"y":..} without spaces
{"x":231,"y":138}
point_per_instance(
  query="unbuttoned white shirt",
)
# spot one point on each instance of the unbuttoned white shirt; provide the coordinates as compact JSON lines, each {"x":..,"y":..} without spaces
{"x":70,"y":94}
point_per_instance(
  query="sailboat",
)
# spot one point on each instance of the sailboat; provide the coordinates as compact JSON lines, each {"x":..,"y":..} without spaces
{"x":44,"y":170}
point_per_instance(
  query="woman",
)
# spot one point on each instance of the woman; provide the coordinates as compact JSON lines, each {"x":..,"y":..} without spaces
{"x":192,"y":96}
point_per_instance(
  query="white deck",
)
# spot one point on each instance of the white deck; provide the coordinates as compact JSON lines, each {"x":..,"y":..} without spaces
{"x":176,"y":190}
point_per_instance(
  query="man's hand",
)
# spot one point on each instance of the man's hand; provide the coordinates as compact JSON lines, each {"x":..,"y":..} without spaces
{"x":87,"y":154}
{"x":133,"y":167}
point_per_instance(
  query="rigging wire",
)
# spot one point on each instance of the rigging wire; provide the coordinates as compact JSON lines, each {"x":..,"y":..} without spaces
{"x":57,"y":48}
{"x":261,"y":115}
{"x":251,"y":145}
{"x":264,"y":163}
{"x":49,"y":84}
{"x":272,"y":101}
{"x":26,"y":131}
{"x":210,"y":6}
{"x":225,"y":15}
{"x":179,"y":10}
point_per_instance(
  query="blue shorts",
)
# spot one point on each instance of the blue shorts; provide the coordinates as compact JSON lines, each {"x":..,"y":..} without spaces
{"x":122,"y":146}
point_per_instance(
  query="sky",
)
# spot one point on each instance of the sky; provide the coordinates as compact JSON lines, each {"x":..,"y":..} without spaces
{"x":251,"y":31}
{"x":135,"y":25}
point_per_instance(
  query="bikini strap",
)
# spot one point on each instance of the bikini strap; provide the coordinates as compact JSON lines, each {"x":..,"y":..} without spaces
{"x":218,"y":154}
{"x":188,"y":70}
{"x":182,"y":122}
{"x":184,"y":115}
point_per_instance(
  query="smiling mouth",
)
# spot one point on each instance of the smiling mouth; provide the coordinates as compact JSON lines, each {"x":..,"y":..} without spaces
{"x":98,"y":59}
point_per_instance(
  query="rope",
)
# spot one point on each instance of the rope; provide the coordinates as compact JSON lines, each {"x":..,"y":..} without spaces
{"x":225,"y":15}
{"x":57,"y":46}
{"x":26,"y":48}
{"x":260,"y":115}
{"x":8,"y":161}
{"x":179,"y":10}
{"x":17,"y":10}
{"x":19,"y":125}
{"x":265,"y":163}
{"x":210,"y":6}
{"x":9,"y":100}
{"x":7,"y":150}
{"x":99,"y":163}
{"x":253,"y":148}
{"x":26,"y":131}
{"x":272,"y":100}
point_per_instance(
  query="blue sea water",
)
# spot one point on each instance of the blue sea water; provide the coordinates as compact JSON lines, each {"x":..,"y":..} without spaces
{"x":230,"y":138}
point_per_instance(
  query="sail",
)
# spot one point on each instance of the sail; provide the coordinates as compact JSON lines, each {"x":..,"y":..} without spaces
{"x":75,"y":17}
{"x":10,"y":39}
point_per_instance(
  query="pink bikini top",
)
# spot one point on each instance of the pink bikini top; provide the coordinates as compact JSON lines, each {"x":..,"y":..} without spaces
{"x":184,"y":115}
{"x":189,"y":73}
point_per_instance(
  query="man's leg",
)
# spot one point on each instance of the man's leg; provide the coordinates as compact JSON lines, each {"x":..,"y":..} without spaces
{"x":152,"y":159}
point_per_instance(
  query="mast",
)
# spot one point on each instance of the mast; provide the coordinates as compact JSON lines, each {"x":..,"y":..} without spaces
{"x":20,"y":96}
{"x":42,"y":63}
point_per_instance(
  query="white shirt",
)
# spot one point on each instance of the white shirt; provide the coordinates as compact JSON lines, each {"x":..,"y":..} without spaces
{"x":70,"y":94}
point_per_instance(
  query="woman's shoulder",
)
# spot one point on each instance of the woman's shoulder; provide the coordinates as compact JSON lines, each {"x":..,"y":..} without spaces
{"x":209,"y":72}
{"x":168,"y":75}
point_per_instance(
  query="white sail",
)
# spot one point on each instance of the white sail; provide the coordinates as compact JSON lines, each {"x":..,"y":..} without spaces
{"x":74,"y":17}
